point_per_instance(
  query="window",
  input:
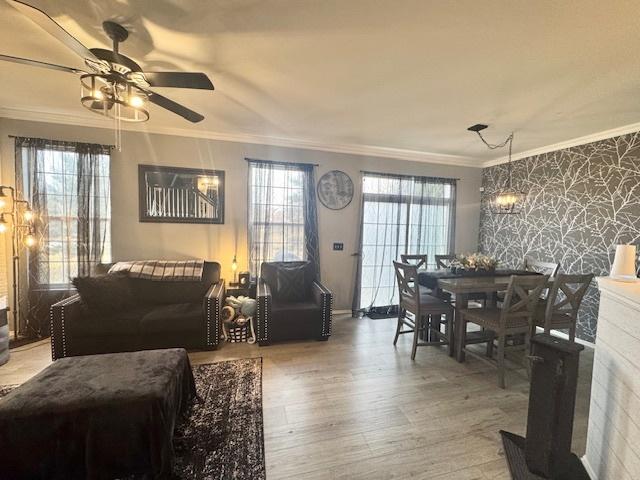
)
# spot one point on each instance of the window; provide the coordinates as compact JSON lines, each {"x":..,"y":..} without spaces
{"x":401,"y":214}
{"x":69,"y":190}
{"x":277,"y":210}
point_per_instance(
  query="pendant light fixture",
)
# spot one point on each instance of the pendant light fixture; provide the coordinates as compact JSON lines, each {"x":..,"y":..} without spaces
{"x":506,"y":200}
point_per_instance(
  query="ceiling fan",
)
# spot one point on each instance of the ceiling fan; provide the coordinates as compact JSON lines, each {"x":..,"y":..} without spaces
{"x":114,"y":85}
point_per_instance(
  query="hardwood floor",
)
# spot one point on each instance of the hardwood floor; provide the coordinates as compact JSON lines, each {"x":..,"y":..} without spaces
{"x":355,"y":407}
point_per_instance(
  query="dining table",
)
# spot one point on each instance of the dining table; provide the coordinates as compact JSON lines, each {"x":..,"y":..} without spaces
{"x":465,"y":285}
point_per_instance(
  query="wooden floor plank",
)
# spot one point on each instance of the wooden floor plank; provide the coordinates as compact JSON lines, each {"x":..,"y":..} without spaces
{"x":356,"y":407}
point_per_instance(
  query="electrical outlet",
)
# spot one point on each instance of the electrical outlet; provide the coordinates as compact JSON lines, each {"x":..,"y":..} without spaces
{"x":339,"y":246}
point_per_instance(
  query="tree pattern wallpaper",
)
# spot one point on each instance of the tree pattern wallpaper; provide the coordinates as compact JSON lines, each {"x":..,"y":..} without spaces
{"x":581,"y":202}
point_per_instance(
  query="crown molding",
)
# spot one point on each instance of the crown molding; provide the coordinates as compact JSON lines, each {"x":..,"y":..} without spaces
{"x":594,"y":137}
{"x":352,"y":149}
{"x":57,"y":117}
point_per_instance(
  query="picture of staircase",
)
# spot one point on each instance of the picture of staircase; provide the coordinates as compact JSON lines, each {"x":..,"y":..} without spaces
{"x":181,"y":195}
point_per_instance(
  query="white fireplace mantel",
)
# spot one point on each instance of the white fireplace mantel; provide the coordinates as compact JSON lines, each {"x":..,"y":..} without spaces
{"x":613,"y":440}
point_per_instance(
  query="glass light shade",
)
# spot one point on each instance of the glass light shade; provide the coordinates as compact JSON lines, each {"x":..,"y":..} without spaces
{"x":29,"y":240}
{"x":135,"y":101}
{"x":507,"y":201}
{"x":28,"y":215}
{"x":234,"y":264}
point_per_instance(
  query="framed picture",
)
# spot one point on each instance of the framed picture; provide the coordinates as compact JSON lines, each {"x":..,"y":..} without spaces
{"x":180,"y":195}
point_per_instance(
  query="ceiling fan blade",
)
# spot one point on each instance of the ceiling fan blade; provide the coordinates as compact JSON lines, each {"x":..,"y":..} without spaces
{"x":179,"y":80}
{"x":35,"y":63}
{"x":174,"y":107}
{"x":43,"y":20}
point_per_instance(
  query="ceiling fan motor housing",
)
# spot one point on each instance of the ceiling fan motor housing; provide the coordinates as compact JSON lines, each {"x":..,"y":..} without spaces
{"x":115,"y":31}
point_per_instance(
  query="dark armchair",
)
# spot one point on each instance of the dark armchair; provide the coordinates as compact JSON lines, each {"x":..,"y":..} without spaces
{"x":292,"y":303}
{"x":165,"y":314}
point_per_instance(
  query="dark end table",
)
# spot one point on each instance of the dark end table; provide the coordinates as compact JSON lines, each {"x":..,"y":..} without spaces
{"x":236,"y":290}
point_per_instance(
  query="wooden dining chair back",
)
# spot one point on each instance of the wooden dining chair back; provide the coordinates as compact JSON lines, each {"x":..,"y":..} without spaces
{"x":408,"y":286}
{"x":419,"y":260}
{"x":522,"y":298}
{"x":515,"y":317}
{"x":545,"y":268}
{"x":563,"y":303}
{"x":444,"y":261}
{"x":427,"y":311}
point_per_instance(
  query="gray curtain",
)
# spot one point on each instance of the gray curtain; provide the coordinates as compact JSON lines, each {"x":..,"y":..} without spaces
{"x":67,"y":184}
{"x":283,"y":219}
{"x":93,"y":189}
{"x":399,"y":214}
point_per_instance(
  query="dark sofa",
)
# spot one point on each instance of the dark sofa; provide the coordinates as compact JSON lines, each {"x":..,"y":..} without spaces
{"x":279,"y":317}
{"x":165,"y":314}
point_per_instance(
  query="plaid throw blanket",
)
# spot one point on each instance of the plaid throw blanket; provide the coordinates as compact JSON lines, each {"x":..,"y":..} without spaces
{"x":162,"y":270}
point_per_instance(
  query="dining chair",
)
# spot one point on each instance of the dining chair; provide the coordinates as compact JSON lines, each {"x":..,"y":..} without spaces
{"x":422,"y":261}
{"x":419,"y":260}
{"x":444,"y":261}
{"x":427,"y":311}
{"x":535,"y":266}
{"x":560,"y":310}
{"x":546,"y":268}
{"x":516,"y":316}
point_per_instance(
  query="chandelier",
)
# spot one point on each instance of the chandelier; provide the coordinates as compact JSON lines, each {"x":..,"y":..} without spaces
{"x":506,"y":200}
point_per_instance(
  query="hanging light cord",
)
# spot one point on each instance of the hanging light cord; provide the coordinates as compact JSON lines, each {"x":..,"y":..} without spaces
{"x":491,"y":146}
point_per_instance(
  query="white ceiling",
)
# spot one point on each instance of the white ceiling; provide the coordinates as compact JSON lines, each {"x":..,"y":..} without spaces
{"x":408,"y":75}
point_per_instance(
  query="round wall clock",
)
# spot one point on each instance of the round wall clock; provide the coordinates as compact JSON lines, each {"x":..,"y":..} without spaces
{"x":335,"y":190}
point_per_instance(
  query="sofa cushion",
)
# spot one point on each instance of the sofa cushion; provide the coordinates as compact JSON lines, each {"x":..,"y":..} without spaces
{"x":269,"y":273}
{"x":290,"y":281}
{"x":293,"y":308}
{"x":152,"y":292}
{"x":177,"y":317}
{"x":157,"y":292}
{"x":105,"y":294}
{"x":125,"y":322}
{"x":290,"y":321}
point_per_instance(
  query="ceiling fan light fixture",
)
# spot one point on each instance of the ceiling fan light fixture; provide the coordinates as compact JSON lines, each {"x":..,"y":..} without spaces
{"x":100,"y":93}
{"x":116,"y":87}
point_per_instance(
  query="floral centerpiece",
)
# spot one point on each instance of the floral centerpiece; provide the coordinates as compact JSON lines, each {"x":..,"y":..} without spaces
{"x":474,"y":262}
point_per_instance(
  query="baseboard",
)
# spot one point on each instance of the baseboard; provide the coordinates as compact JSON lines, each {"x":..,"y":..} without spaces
{"x":587,"y":466}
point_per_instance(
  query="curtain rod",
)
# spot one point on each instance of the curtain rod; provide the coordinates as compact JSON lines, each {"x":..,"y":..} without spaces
{"x":384,"y":174}
{"x":255,"y":160}
{"x":64,"y":141}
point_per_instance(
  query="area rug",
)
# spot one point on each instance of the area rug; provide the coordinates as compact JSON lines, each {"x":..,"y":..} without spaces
{"x":221,"y":436}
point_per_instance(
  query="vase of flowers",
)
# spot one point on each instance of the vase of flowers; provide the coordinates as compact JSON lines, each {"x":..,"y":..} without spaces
{"x":474,"y":263}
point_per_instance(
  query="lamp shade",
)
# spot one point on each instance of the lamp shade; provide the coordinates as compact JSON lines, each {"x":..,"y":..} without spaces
{"x":624,"y":264}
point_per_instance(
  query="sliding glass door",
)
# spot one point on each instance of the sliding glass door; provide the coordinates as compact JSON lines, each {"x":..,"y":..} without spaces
{"x":401,"y":214}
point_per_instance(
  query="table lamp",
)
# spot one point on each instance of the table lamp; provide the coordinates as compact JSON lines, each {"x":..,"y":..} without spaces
{"x":234,"y":268}
{"x":624,"y":264}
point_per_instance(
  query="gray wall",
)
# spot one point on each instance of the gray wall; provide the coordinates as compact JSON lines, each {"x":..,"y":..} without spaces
{"x":134,"y":240}
{"x":581,"y":202}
